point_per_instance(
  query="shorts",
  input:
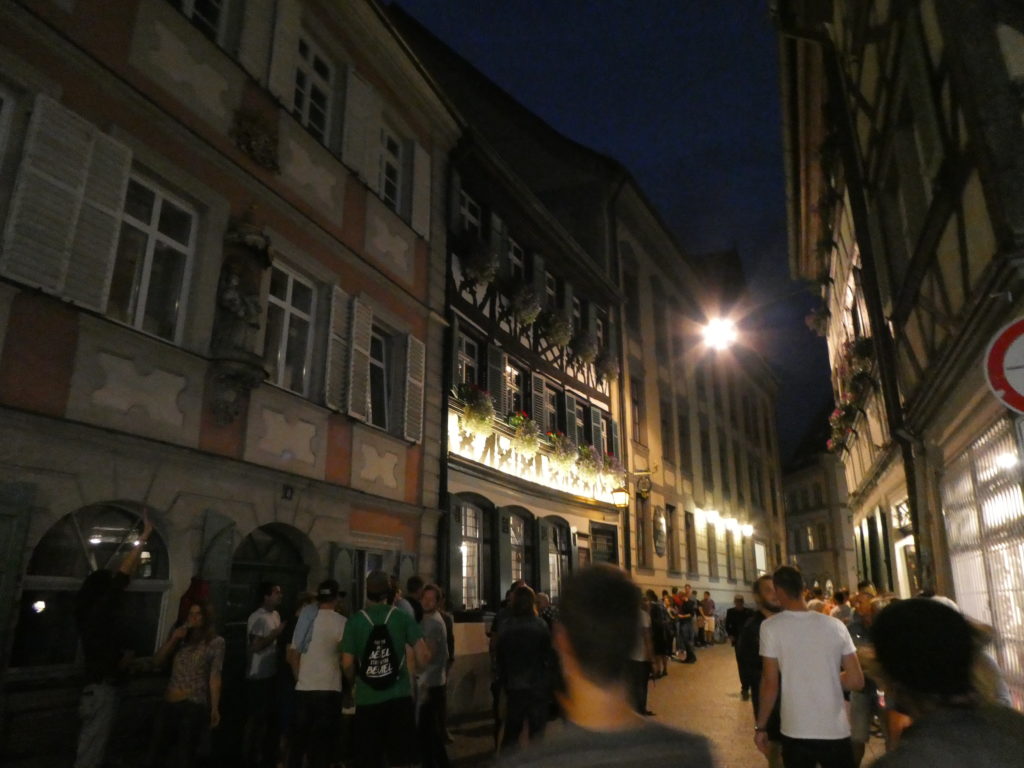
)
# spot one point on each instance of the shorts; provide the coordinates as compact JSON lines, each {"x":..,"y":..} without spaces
{"x":709,"y":624}
{"x":385,"y":733}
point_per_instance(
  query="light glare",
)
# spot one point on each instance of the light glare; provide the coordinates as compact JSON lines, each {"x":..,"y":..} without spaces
{"x":720,"y":333}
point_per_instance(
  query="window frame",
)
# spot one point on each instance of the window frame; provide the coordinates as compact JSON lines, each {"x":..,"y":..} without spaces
{"x":188,"y":9}
{"x":471,"y":215}
{"x":464,"y":360}
{"x":293,"y":275}
{"x":516,"y":260}
{"x":308,"y":69}
{"x":153,"y":235}
{"x":384,"y":365}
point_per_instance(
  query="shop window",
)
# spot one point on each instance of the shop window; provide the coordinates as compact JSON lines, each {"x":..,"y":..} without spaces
{"x":85,"y":541}
{"x":604,"y":544}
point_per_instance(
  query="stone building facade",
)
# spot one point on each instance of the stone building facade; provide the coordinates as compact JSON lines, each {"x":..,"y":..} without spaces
{"x":903,"y":132}
{"x":221,"y":305}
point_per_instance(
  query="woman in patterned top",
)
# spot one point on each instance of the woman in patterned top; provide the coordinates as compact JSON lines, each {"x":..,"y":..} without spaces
{"x":192,"y":700}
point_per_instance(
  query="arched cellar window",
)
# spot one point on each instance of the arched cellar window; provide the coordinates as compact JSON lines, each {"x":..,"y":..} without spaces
{"x":87,"y":540}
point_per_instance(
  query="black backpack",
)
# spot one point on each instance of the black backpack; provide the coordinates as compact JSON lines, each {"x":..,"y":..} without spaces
{"x":378,"y":667}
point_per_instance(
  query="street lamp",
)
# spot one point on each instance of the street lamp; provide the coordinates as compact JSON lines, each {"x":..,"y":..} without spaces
{"x":620,"y":497}
{"x":720,"y":333}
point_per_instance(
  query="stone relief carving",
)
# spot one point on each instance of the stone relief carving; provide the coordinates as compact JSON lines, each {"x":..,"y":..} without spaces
{"x":256,"y":136}
{"x":174,"y":58}
{"x":125,"y":388}
{"x":378,"y":466}
{"x":237,"y":363}
{"x":390,"y":248}
{"x":292,"y":442}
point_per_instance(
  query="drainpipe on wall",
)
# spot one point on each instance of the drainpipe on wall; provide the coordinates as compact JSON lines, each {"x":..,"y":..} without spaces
{"x":884,"y":346}
{"x":613,"y":236}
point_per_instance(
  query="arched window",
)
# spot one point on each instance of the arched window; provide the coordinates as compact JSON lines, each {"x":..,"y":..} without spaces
{"x":473,"y":540}
{"x":87,"y":540}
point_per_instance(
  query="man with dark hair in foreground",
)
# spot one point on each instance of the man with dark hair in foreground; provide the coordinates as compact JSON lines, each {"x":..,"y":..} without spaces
{"x":806,"y":649}
{"x":595,"y":634}
{"x":926,"y":651}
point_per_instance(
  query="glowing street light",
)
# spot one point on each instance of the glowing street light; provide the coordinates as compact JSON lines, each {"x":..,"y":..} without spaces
{"x":720,"y":333}
{"x":620,"y":497}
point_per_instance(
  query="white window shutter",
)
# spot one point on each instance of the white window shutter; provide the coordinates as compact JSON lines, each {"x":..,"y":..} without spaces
{"x":420,"y":219}
{"x":47,"y":195}
{"x":94,"y":247}
{"x":337,"y":350}
{"x":415,"y":377}
{"x":285,"y":54}
{"x":359,"y":361}
{"x":360,"y":144}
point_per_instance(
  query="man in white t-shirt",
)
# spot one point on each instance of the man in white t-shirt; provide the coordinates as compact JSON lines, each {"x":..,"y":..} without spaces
{"x":807,"y":650}
{"x":317,"y":717}
{"x":262,"y":629}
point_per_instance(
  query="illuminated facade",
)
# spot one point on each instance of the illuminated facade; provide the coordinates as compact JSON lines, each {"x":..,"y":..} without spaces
{"x":903,"y":132}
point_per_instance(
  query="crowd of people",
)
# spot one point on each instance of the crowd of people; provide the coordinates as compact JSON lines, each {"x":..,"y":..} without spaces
{"x":368,"y":688}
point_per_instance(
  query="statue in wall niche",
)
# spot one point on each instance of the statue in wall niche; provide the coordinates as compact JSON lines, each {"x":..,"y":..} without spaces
{"x":237,"y":362}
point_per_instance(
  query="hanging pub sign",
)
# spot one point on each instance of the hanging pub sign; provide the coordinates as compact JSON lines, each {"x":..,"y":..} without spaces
{"x":1004,"y":365}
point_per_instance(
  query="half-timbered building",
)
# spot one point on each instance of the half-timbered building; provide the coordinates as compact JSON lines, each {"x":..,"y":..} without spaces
{"x":903,"y":133}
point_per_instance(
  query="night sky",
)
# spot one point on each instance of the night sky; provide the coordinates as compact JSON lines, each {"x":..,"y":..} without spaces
{"x":685,"y":94}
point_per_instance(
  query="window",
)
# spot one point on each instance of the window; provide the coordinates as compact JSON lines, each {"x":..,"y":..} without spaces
{"x":707,"y":469}
{"x":712,"y":536}
{"x":691,"y":543}
{"x":609,"y":436}
{"x":514,"y":378}
{"x":756,"y":491}
{"x":470,"y":215}
{"x":559,"y":555}
{"x":644,"y":534}
{"x":723,"y":466}
{"x":760,"y":558}
{"x":604,"y":544}
{"x":822,"y":536}
{"x":738,"y":458}
{"x":88,"y":540}
{"x":313,"y":85}
{"x":730,"y":555}
{"x":668,"y":440}
{"x":552,"y":397}
{"x":636,"y":403}
{"x":288,"y":346}
{"x":471,"y":520}
{"x":577,"y":315}
{"x":379,"y":382}
{"x":154,"y":253}
{"x":632,"y":301}
{"x":818,"y":499}
{"x":582,"y":437}
{"x":206,"y":15}
{"x":517,"y":536}
{"x":390,"y":169}
{"x":468,"y":361}
{"x":672,"y":536}
{"x":809,"y":537}
{"x":516,"y":261}
{"x":550,"y":291}
{"x":600,"y":321}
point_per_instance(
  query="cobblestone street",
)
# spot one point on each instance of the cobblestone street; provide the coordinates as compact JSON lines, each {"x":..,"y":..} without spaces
{"x":702,"y":698}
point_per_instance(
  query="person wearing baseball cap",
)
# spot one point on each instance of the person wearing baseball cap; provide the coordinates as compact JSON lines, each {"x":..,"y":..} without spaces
{"x":318,"y":681}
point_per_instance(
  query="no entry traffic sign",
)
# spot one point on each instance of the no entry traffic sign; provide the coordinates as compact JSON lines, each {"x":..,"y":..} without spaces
{"x":1004,"y":365}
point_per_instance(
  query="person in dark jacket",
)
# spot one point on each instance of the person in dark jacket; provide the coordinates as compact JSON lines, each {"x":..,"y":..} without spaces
{"x":748,"y":656}
{"x":524,"y":656}
{"x":735,"y":618}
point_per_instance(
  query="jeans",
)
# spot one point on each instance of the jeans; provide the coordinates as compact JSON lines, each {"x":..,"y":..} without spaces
{"x":810,"y":753}
{"x":182,"y":728}
{"x":259,"y":743}
{"x":431,"y":728}
{"x":315,"y":726}
{"x":684,"y":638}
{"x":524,"y":707}
{"x":641,"y":675}
{"x":96,"y":709}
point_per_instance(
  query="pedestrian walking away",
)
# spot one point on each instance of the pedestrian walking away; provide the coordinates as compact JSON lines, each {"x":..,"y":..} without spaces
{"x":315,"y":653}
{"x":748,"y":654}
{"x":379,"y":643}
{"x":816,"y":661}
{"x":735,"y":619}
{"x":525,"y":663}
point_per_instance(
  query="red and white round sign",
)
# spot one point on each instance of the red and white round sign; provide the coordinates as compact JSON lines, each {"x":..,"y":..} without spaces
{"x":1004,"y":365}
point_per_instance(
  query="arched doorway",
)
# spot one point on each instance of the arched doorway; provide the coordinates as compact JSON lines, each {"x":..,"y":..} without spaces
{"x":271,"y":553}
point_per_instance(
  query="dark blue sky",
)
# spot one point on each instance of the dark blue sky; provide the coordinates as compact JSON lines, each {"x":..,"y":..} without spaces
{"x":685,"y":94}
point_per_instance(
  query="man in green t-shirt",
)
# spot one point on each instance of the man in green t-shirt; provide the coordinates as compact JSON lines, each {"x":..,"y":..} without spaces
{"x":385,"y":716}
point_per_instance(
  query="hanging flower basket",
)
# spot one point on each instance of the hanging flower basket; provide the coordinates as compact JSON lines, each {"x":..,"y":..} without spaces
{"x":526,"y":434}
{"x":584,"y":347}
{"x":859,"y":385}
{"x":588,"y":463}
{"x":478,"y":409}
{"x":607,"y":366}
{"x":859,"y":355}
{"x":563,"y":450}
{"x":525,"y":305}
{"x":818,"y":319}
{"x":555,"y":327}
{"x":612,"y":470}
{"x":478,"y":259}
